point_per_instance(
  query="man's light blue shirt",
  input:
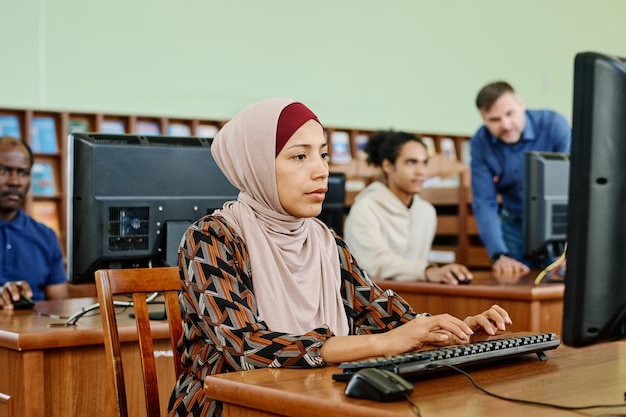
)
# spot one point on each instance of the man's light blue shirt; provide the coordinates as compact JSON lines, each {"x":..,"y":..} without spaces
{"x":497,"y":168}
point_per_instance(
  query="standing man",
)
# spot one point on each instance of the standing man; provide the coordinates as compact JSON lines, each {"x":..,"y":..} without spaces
{"x":497,"y":151}
{"x":31,"y":261}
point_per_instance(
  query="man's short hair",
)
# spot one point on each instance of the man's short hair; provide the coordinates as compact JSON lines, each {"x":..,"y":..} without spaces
{"x":492,"y":92}
{"x":15,"y":142}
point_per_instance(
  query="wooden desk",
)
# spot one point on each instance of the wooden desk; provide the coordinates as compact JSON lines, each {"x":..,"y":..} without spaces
{"x":533,"y":308}
{"x":61,"y":371}
{"x":572,"y":377}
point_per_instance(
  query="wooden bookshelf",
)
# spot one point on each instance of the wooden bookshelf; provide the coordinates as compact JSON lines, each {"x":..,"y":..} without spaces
{"x":455,"y":221}
{"x":456,"y":227}
{"x":47,"y":133}
{"x":43,"y":130}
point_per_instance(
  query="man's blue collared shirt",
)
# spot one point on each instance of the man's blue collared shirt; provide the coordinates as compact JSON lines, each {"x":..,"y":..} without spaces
{"x":496,"y":168}
{"x":30,"y":251}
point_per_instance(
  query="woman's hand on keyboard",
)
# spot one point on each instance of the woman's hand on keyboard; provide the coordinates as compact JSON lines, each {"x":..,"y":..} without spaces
{"x":424,"y":330}
{"x":490,"y":321}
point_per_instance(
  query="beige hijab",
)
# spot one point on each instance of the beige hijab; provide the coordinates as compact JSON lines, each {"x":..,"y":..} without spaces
{"x":296,"y":275}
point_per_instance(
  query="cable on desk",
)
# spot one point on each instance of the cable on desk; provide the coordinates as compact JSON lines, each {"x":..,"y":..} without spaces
{"x":539,"y":403}
{"x":552,"y":266}
{"x":77,"y":316}
{"x":413,"y":405}
{"x":52,"y":316}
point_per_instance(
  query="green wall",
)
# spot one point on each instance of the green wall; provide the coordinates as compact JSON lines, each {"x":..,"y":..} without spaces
{"x":405,"y":64}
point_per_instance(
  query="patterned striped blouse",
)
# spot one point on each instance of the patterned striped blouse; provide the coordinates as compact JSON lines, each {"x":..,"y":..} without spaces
{"x":222,"y":331}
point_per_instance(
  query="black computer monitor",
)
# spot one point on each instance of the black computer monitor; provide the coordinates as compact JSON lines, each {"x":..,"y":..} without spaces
{"x":334,"y":207}
{"x":131,"y":197}
{"x":595,"y":282}
{"x":545,"y":194}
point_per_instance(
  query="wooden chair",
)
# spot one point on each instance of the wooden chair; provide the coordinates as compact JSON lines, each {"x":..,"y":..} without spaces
{"x":140,"y":283}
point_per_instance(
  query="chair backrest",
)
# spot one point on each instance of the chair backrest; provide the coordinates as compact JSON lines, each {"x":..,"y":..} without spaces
{"x":140,"y":283}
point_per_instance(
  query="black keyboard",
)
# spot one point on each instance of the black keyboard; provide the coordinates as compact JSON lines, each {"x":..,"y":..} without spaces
{"x":429,"y":361}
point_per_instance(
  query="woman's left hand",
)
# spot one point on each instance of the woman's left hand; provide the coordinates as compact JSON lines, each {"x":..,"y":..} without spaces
{"x":490,"y":321}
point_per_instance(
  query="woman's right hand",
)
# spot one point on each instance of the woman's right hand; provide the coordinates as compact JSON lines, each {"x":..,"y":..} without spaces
{"x":437,"y":330}
{"x":424,"y":330}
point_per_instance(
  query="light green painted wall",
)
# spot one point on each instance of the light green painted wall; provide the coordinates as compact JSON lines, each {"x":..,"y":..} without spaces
{"x":404,"y":64}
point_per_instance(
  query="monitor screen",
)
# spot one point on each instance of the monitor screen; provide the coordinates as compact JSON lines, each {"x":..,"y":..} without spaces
{"x":595,"y":281}
{"x":131,"y":197}
{"x":545,"y":192}
{"x":333,"y":208}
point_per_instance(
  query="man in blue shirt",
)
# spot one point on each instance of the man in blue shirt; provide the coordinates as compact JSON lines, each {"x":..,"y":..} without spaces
{"x":497,"y":152}
{"x":31,"y":261}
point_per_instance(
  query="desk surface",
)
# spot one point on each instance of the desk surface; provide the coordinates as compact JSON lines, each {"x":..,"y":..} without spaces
{"x":42,"y":328}
{"x":486,"y":284}
{"x":534,"y":308}
{"x":61,"y":371}
{"x":571,"y":376}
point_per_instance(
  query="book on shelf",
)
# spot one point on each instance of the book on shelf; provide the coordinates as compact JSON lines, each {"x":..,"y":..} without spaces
{"x":430,"y":145}
{"x":78,"y":126}
{"x":466,"y":155}
{"x":360,"y":141}
{"x":43,"y":135}
{"x":206,"y":131}
{"x":10,"y":126}
{"x":46,"y":212}
{"x":447,"y":148}
{"x":340,"y":152}
{"x":112,"y":126}
{"x":178,"y":129}
{"x":148,"y":128}
{"x":442,"y":256}
{"x":42,"y":179}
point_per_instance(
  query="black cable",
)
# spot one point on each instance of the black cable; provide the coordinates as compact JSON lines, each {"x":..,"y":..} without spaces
{"x":73,"y":320}
{"x":518,"y":400}
{"x":413,"y":405}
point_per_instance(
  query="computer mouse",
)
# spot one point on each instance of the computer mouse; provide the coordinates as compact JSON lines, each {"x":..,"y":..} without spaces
{"x":23,"y":303}
{"x":378,"y":385}
{"x":462,"y":280}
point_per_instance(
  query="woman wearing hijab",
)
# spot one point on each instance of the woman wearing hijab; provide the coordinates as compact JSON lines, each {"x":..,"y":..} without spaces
{"x":266,"y":284}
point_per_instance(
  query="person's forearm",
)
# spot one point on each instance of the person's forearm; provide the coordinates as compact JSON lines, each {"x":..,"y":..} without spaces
{"x":351,"y":348}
